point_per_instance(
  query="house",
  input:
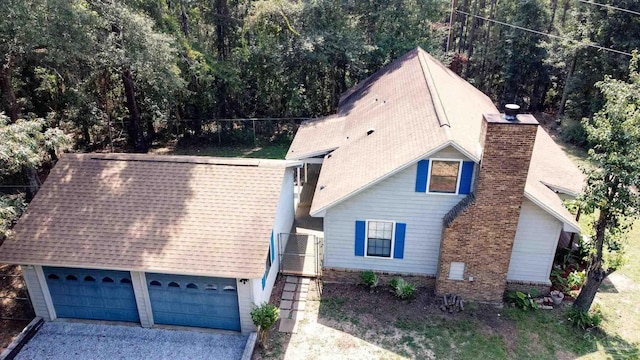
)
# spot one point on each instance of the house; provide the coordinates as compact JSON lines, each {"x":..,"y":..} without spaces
{"x":174,"y":240}
{"x":421,"y":175}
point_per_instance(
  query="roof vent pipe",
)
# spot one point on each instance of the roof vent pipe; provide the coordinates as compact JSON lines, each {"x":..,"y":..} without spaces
{"x":370,"y":131}
{"x":511,"y":112}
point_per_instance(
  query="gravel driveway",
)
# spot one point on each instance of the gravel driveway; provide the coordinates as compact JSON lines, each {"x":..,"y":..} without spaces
{"x":66,"y":340}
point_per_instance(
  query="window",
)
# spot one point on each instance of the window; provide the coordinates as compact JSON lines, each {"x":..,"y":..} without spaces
{"x":192,"y":286}
{"x":155,"y":283}
{"x":174,"y":284}
{"x":379,"y":238}
{"x":89,"y":278}
{"x":125,"y":281}
{"x":444,"y":176}
{"x":53,"y":277}
{"x":71,"y":277}
{"x":456,"y":271}
{"x":107,"y":279}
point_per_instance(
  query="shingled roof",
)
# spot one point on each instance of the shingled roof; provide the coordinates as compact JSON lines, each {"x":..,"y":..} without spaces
{"x":170,"y":214}
{"x":415,"y":106}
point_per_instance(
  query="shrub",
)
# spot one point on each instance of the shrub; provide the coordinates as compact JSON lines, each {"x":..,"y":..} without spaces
{"x":370,"y":279}
{"x":573,"y":132}
{"x":263,"y":317}
{"x":584,"y":319}
{"x":559,"y":281}
{"x":402,"y":289}
{"x":576,"y":279}
{"x":522,"y":300}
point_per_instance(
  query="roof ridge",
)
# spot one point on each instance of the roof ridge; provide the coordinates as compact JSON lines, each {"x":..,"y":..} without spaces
{"x":443,"y":120}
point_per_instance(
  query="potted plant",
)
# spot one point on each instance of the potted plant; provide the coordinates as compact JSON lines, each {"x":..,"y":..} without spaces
{"x":557,"y":297}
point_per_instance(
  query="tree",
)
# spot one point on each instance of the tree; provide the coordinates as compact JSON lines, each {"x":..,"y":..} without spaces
{"x":612,"y":188}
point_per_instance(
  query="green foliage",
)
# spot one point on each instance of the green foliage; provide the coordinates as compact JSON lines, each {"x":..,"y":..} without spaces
{"x":27,"y":144}
{"x":611,"y":191}
{"x":584,"y":319}
{"x":522,"y":300}
{"x":402,"y":289}
{"x":576,"y":279}
{"x":370,"y":279}
{"x":573,"y":132}
{"x":558,"y":280}
{"x":11,"y":207}
{"x":263,"y":317}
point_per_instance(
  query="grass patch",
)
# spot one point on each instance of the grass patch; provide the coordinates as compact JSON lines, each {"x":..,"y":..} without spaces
{"x":332,"y":308}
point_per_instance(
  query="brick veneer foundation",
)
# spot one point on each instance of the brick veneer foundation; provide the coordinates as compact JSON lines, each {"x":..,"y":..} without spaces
{"x":350,"y":276}
{"x":482,"y":235}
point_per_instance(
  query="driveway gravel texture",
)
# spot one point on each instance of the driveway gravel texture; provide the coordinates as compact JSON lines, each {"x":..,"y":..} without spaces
{"x":69,"y":340}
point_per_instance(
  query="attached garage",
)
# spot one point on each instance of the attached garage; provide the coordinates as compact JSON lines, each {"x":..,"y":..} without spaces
{"x":92,"y":294}
{"x":198,"y":301}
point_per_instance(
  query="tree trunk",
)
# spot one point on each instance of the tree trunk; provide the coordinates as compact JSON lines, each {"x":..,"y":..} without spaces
{"x":185,"y":20}
{"x":222,"y":10}
{"x":565,"y":8}
{"x":9,"y":102}
{"x":595,"y":274}
{"x":32,"y":182}
{"x":136,"y":136}
{"x":554,"y":7}
{"x":565,"y":91}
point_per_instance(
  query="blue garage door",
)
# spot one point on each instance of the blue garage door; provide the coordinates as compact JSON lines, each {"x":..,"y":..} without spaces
{"x":92,"y":294}
{"x":194,"y":301}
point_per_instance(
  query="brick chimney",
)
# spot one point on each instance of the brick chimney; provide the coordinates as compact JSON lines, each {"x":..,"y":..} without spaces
{"x":477,"y":243}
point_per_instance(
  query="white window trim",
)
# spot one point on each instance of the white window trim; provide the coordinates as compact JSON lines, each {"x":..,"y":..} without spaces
{"x":393,"y":239}
{"x":457,"y":192}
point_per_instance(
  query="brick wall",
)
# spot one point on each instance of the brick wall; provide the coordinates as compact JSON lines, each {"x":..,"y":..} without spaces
{"x":482,"y":236}
{"x":348,"y":276}
{"x":527,"y":287}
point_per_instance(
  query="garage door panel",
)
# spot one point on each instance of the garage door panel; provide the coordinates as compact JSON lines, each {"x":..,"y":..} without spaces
{"x":194,"y":301}
{"x":82,"y":294}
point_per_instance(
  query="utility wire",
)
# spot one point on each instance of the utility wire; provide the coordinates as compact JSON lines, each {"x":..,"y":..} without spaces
{"x":545,"y":34}
{"x":610,"y":7}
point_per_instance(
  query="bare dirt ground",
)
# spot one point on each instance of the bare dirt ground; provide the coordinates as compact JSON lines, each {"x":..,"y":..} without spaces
{"x":12,"y":287}
{"x":345,"y":321}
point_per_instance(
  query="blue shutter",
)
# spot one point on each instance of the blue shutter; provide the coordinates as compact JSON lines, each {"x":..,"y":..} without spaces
{"x":398,"y":249}
{"x":273,"y":253}
{"x":421,"y":176}
{"x":467,"y":177}
{"x":264,"y":280}
{"x":360,"y":234}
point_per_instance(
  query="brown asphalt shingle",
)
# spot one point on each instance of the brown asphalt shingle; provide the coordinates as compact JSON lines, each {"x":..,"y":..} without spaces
{"x":170,"y":214}
{"x":416,"y":105}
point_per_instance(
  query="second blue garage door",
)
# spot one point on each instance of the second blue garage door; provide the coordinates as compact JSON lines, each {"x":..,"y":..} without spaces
{"x":194,"y":301}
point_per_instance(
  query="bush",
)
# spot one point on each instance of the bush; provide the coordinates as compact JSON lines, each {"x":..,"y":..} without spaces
{"x":402,"y":289}
{"x":576,"y":278}
{"x":370,"y":279}
{"x":573,"y":132}
{"x":584,"y":319}
{"x":522,"y":300}
{"x":263,"y":317}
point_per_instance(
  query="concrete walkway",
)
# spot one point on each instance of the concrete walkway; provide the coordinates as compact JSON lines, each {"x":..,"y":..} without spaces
{"x":293,"y":303}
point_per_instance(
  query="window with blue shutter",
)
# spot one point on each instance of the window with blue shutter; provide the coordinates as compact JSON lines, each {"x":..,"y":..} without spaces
{"x":264,"y":279}
{"x":361,"y":229}
{"x":466,"y":178}
{"x":398,"y":249}
{"x":421,"y":176}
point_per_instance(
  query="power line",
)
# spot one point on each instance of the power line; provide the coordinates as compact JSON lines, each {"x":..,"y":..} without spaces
{"x":610,"y":7}
{"x":545,"y":34}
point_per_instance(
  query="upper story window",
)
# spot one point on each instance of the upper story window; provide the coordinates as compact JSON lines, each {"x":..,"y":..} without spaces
{"x":379,"y":238}
{"x":443,"y":176}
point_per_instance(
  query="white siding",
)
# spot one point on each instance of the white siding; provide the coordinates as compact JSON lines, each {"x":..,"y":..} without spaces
{"x":36,"y":292}
{"x":282,"y":224}
{"x":139,"y":282}
{"x":393,"y":199}
{"x":534,"y":246}
{"x":245,"y":303}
